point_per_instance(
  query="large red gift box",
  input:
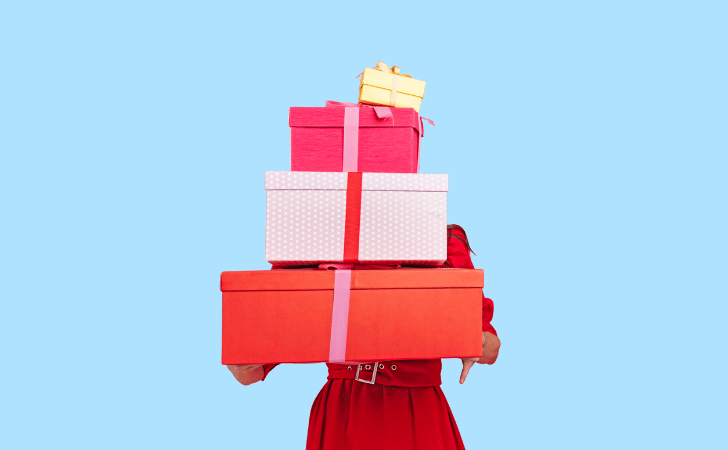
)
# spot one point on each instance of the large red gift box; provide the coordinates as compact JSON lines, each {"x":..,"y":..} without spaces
{"x":313,"y":315}
{"x":375,"y":141}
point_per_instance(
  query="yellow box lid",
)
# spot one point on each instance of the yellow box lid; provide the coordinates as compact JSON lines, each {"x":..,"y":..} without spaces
{"x":383,"y":80}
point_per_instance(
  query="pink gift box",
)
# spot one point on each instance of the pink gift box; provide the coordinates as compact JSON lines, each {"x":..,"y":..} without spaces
{"x":360,"y":218}
{"x":389,"y":144}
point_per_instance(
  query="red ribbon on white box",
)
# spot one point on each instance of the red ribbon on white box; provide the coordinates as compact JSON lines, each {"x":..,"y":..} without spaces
{"x":352,"y":222}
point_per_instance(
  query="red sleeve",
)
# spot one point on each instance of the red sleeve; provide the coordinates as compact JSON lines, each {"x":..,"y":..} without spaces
{"x":266,"y":370}
{"x":458,"y":256}
{"x":488,"y":315}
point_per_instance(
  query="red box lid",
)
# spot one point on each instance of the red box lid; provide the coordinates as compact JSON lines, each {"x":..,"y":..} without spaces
{"x":317,"y":279}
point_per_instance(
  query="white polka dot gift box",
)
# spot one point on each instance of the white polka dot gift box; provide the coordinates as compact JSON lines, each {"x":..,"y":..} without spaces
{"x":354,"y":217}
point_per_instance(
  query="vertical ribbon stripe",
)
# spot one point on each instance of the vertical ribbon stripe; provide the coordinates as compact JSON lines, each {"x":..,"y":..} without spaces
{"x":419,"y":139}
{"x":393,"y":95}
{"x":340,"y":316}
{"x":353,"y":217}
{"x":421,"y":135}
{"x":351,"y":139}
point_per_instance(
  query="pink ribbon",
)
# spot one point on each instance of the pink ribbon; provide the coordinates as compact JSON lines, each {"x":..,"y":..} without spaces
{"x":351,"y":139}
{"x":340,"y":316}
{"x":423,"y":125}
{"x":422,"y":134}
{"x":330,"y":103}
{"x":351,"y":130}
{"x":340,"y":311}
{"x":336,"y":266}
{"x":382,"y":112}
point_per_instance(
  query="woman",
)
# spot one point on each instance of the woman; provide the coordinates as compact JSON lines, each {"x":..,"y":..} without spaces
{"x":390,"y":404}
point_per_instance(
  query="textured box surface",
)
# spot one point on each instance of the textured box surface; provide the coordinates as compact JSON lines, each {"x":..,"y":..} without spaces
{"x":402,"y":218}
{"x":317,"y":140}
{"x":280,"y":316}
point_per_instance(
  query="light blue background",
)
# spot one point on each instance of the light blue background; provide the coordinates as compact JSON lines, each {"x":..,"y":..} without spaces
{"x":586,"y":147}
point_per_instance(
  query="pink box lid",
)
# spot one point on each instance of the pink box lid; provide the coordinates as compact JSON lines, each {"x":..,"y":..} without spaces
{"x":371,"y":181}
{"x":323,"y":117}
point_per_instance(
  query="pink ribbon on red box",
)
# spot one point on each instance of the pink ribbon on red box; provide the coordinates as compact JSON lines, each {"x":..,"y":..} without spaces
{"x":340,"y":311}
{"x":422,"y":133}
{"x":340,"y":316}
{"x":351,"y":130}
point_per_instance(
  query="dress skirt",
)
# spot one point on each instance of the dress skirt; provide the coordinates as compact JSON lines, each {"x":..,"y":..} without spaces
{"x":351,"y":415}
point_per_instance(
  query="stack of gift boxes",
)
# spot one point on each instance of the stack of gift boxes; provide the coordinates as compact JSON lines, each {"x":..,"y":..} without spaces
{"x":362,"y":235}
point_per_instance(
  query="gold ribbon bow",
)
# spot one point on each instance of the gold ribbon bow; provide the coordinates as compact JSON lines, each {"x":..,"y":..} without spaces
{"x":394,"y":69}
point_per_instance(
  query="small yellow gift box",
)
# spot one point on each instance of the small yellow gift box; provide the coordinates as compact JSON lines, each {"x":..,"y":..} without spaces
{"x":384,"y":85}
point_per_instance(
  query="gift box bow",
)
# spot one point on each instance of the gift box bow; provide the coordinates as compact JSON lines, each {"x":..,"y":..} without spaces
{"x":385,"y":68}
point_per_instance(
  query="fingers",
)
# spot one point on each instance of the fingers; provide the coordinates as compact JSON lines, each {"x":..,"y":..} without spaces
{"x":243,"y":368}
{"x":247,"y":374}
{"x":491,"y":347}
{"x":467,"y":365}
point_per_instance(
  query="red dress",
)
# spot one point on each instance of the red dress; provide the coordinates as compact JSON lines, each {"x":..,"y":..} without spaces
{"x":404,"y":409}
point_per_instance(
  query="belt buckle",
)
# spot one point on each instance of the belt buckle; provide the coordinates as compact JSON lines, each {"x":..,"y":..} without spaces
{"x":374,"y":374}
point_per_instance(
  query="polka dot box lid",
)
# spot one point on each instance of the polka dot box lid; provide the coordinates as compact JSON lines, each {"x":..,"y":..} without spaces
{"x":370,"y":181}
{"x":403,"y":218}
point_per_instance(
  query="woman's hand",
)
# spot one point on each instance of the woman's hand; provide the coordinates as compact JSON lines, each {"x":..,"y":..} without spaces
{"x":468,"y":363}
{"x":491,"y":347}
{"x":247,"y":374}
